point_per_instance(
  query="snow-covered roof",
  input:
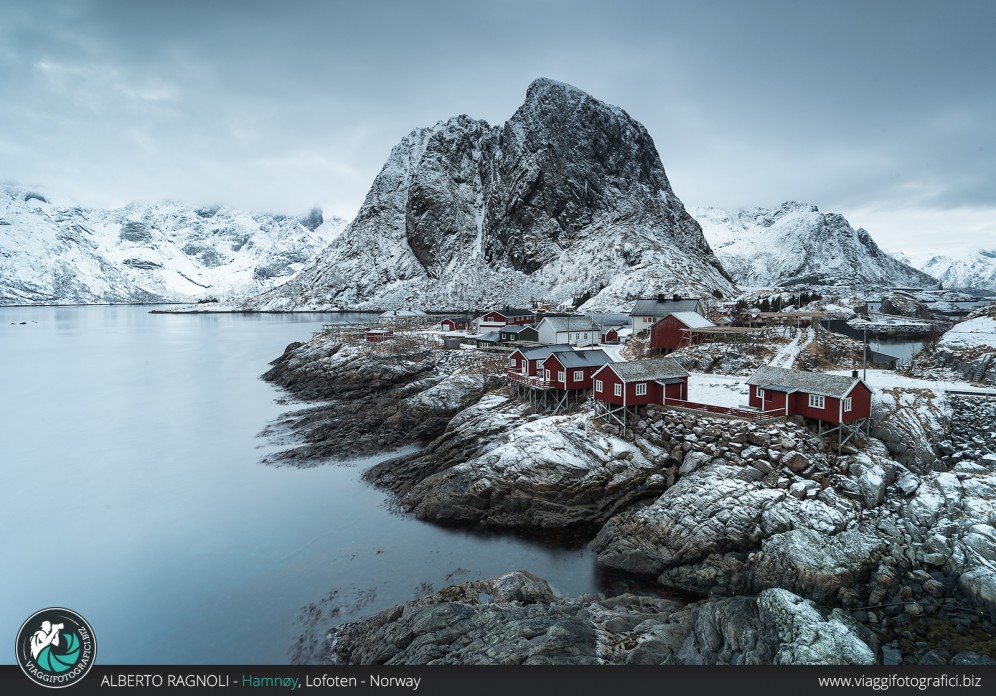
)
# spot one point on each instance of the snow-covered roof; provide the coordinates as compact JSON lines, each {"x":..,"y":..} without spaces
{"x":543,"y":352}
{"x":583,"y":358}
{"x":465,"y":320}
{"x":810,"y":382}
{"x":692,"y":320}
{"x":565,"y":324}
{"x":653,"y":308}
{"x":489,"y":337}
{"x":641,"y":370}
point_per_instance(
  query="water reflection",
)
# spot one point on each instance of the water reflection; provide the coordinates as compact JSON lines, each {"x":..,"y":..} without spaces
{"x":130,"y":443}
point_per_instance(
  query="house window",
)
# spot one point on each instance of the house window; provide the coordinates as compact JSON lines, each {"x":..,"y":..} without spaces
{"x":817,"y":401}
{"x":598,"y":385}
{"x":546,"y":375}
{"x":560,"y":377}
{"x":641,"y":389}
{"x":578,"y":375}
{"x":617,"y":390}
{"x":512,"y":362}
{"x":847,"y":404}
{"x":577,"y":337}
{"x":759,"y":393}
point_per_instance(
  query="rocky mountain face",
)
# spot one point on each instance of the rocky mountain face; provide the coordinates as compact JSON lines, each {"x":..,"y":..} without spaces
{"x":567,"y":200}
{"x":797,"y":244}
{"x":971,"y":270}
{"x":57,"y":254}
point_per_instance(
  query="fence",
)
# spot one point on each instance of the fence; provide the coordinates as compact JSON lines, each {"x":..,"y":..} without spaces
{"x":727,"y":411}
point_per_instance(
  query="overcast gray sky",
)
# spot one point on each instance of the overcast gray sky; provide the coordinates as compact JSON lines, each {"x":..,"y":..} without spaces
{"x":882,"y":111}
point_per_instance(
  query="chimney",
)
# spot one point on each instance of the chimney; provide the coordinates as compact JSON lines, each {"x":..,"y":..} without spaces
{"x":661,"y":297}
{"x":854,"y":374}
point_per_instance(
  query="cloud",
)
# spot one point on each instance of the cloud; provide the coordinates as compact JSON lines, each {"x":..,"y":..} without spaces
{"x":852,"y":106}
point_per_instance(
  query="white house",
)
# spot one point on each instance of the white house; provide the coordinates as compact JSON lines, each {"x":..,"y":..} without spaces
{"x":577,"y":331}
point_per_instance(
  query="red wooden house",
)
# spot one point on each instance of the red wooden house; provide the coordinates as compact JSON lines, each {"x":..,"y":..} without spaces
{"x":525,"y":362}
{"x":818,"y":395}
{"x":571,"y":370}
{"x":641,"y":382}
{"x":455,"y":323}
{"x":495,"y":319}
{"x":609,"y":334}
{"x":673,"y":331}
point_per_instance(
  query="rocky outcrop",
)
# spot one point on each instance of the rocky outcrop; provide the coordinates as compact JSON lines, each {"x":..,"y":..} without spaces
{"x":555,"y":473}
{"x":568,"y":200}
{"x":516,"y":619}
{"x":373,"y":397}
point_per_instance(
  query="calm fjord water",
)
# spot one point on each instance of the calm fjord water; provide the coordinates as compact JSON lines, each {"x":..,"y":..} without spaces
{"x":131,"y":490}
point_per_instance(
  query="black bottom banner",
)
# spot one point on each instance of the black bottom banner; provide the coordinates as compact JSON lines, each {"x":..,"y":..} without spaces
{"x":520,"y":680}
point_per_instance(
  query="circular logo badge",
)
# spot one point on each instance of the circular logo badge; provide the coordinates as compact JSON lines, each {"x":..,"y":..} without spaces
{"x":55,"y":647}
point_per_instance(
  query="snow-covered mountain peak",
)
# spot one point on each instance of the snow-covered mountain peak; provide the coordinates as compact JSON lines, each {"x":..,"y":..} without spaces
{"x":54,"y":253}
{"x":568,"y":199}
{"x":797,"y":244}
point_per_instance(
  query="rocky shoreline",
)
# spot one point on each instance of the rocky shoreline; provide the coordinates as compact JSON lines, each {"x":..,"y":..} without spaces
{"x":894,"y":542}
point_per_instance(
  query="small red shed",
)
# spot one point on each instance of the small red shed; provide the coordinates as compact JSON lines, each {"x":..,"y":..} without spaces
{"x":672,"y":332}
{"x":818,"y":395}
{"x":379,"y":335}
{"x":455,"y":323}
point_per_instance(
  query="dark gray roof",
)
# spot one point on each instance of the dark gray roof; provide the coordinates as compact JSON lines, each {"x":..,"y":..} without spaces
{"x":641,"y":370}
{"x":810,"y":382}
{"x":563,"y":324}
{"x":571,"y":359}
{"x":515,"y":328}
{"x":463,"y":319}
{"x":512,"y":312}
{"x":653,"y":308}
{"x":542,"y":352}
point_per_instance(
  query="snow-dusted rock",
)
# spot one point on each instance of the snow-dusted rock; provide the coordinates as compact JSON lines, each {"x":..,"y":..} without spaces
{"x":549,"y":473}
{"x":805,"y":637}
{"x":707,"y":512}
{"x":516,"y":619}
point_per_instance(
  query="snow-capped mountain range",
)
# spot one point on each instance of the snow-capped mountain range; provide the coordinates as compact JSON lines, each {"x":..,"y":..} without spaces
{"x":56,"y":254}
{"x":566,"y":201}
{"x":967,"y":270}
{"x":797,"y":244}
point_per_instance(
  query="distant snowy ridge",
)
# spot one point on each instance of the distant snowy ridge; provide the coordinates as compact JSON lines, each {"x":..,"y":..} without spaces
{"x":52,"y":254}
{"x":566,"y":201}
{"x":797,"y":244}
{"x":967,"y":269}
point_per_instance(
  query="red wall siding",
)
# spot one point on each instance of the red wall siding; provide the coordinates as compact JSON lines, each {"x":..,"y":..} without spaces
{"x":668,"y":334}
{"x":610,"y":336}
{"x":800,"y":406}
{"x":861,"y":403}
{"x":609,"y":379}
{"x":678,"y":390}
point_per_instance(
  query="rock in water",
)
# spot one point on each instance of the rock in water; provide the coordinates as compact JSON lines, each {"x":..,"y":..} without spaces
{"x":568,"y":200}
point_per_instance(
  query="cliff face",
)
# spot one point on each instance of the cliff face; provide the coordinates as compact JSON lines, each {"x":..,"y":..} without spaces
{"x":567,"y":199}
{"x":796,"y":243}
